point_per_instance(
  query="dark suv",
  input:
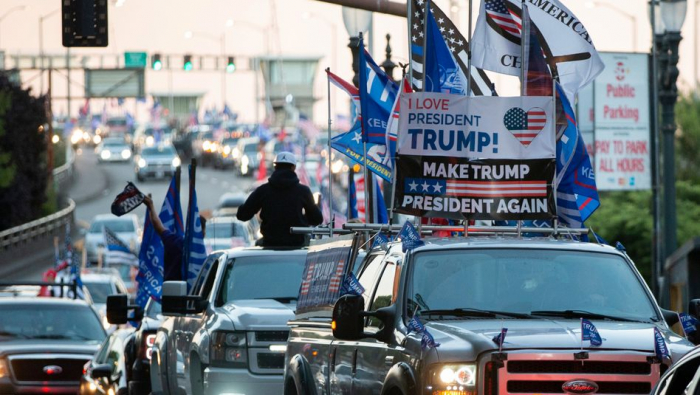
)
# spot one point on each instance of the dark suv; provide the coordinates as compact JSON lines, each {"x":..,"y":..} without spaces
{"x":45,"y":342}
{"x":468,"y":291}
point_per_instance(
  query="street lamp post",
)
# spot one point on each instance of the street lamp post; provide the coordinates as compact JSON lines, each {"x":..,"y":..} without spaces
{"x":41,"y":45}
{"x":10,"y":11}
{"x":673,"y":15}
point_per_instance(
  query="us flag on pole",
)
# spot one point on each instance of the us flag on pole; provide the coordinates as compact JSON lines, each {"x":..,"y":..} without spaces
{"x":525,"y":126}
{"x":502,"y":20}
{"x":459,"y":47}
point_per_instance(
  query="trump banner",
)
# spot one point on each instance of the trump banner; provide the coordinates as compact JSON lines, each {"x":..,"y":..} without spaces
{"x":323,"y":280}
{"x":487,"y":158}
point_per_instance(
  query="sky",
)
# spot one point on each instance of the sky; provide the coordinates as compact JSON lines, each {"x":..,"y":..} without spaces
{"x":290,"y":28}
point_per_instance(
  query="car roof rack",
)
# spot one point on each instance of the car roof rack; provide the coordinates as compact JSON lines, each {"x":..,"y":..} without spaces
{"x":348,"y":228}
{"x":73,"y":286}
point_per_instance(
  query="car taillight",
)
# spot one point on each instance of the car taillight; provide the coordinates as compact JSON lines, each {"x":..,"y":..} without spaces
{"x":149,"y":339}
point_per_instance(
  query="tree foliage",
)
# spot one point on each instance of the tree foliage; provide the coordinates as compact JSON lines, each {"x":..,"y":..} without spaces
{"x":23,"y":173}
{"x":627,"y":216}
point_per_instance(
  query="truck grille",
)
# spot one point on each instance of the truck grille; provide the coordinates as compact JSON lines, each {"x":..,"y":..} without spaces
{"x":546,"y":373}
{"x":272,"y":336}
{"x":271,"y":361}
{"x":27,"y":370}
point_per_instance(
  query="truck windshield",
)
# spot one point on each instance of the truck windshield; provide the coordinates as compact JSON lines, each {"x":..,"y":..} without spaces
{"x":46,"y":321}
{"x":251,"y":278}
{"x":528,"y":281}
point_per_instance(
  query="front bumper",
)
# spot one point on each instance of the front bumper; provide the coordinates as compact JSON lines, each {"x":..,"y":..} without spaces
{"x":241,"y":382}
{"x":155,"y":172}
{"x":9,"y":387}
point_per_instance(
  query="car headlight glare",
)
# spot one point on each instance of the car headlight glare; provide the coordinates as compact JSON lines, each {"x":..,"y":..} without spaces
{"x":176,"y":162}
{"x":227,"y":149}
{"x":97,"y":139}
{"x":126,"y":154}
{"x":105,"y":154}
{"x":142,"y":163}
{"x":206,"y":145}
{"x":245,"y":161}
{"x":150,"y":140}
{"x":463,"y":375}
{"x":3,"y":368}
{"x":75,"y":138}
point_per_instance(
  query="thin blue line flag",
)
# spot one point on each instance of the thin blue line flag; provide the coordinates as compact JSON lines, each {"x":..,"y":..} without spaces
{"x":590,"y":332}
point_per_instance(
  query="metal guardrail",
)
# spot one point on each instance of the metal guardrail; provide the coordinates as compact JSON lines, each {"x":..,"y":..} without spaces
{"x":37,"y":228}
{"x":63,"y":174}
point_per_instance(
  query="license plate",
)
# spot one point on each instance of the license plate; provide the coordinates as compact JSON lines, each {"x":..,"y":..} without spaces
{"x":159,"y":174}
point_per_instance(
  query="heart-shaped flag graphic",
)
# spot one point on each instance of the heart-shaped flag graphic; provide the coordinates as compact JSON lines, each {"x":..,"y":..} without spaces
{"x":525,"y":126}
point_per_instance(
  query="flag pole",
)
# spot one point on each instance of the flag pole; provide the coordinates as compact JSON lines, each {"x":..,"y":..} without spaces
{"x":469,"y":54}
{"x":522,"y":47}
{"x":425,"y":75}
{"x":368,"y":202}
{"x":330,"y":173}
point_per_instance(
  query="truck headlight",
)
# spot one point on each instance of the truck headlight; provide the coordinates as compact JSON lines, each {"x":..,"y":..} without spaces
{"x":176,"y":162}
{"x":3,"y":368}
{"x":142,"y":163}
{"x":228,"y":350}
{"x":459,"y":377}
{"x":126,"y":154}
{"x":105,"y":154}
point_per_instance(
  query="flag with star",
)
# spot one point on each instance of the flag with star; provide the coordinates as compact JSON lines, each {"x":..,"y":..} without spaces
{"x":442,"y":73}
{"x":458,"y":45}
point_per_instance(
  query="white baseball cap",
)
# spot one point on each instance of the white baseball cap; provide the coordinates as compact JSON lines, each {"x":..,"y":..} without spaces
{"x":286,"y":157}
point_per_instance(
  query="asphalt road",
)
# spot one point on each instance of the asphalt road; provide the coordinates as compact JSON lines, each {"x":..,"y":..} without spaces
{"x":211,"y":184}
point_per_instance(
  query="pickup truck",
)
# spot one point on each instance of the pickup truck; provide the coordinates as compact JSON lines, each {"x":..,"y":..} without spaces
{"x":229,"y":334}
{"x":467,"y":291}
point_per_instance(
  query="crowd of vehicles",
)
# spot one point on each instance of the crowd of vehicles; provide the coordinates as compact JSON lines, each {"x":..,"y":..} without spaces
{"x":237,"y":330}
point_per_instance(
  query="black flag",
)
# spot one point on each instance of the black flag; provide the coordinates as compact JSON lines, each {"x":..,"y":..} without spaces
{"x":127,"y":200}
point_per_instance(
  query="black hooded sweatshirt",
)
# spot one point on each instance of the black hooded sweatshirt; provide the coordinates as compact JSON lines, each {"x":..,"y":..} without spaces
{"x":283,"y":202}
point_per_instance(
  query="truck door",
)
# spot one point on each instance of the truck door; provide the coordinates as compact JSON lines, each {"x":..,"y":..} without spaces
{"x":375,"y":358}
{"x":185,"y":326}
{"x":343,"y":354}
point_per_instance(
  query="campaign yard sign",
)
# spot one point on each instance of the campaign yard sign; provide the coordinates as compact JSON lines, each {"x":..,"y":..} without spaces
{"x":323,"y":276}
{"x":487,"y":158}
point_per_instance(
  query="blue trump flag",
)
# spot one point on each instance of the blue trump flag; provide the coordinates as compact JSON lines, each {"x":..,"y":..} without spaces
{"x":590,"y":332}
{"x":379,"y":159}
{"x":193,"y":252}
{"x":352,"y":200}
{"x":151,"y":255}
{"x":410,"y":238}
{"x":660,"y":347}
{"x":427,"y":340}
{"x":442,"y":73}
{"x":577,"y":194}
{"x":688,"y":322}
{"x":377,"y":97}
{"x":351,"y":285}
{"x":380,"y":240}
{"x":379,"y":206}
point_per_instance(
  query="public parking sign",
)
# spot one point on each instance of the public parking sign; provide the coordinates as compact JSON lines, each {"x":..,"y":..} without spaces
{"x":135,"y":60}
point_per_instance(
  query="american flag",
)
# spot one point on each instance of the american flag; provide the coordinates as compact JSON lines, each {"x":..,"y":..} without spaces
{"x":335,"y":282}
{"x":306,"y":283}
{"x":459,"y":46}
{"x":502,"y":20}
{"x":525,"y":126}
{"x":349,"y":88}
{"x":496,"y":189}
{"x":117,"y":251}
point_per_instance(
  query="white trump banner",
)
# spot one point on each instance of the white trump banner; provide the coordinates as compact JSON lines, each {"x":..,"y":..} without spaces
{"x":440,"y":124}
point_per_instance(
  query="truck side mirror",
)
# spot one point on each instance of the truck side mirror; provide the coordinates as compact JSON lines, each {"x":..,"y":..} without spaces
{"x":670,"y":316}
{"x":117,"y":309}
{"x":177,"y":302}
{"x":347,"y":321}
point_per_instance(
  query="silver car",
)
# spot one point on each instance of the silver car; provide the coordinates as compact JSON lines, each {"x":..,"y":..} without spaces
{"x":125,"y":227}
{"x":156,"y":162}
{"x":113,"y":149}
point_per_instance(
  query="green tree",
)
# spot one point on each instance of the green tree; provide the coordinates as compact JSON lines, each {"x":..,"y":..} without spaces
{"x":23,"y":171}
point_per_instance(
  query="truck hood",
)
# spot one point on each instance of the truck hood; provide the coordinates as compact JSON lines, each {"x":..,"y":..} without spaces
{"x":259,"y":314}
{"x":473,"y":337}
{"x":42,"y":346}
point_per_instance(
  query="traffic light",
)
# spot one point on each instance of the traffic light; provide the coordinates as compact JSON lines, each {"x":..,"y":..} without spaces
{"x":156,"y":62}
{"x":231,"y":65}
{"x":188,"y":63}
{"x":84,"y":23}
